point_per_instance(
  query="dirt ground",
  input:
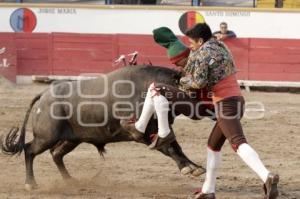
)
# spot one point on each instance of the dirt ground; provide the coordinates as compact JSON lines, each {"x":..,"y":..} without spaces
{"x":131,"y":171}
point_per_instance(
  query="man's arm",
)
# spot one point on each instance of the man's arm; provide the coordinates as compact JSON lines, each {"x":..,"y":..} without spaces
{"x":231,"y":34}
{"x":199,"y":78}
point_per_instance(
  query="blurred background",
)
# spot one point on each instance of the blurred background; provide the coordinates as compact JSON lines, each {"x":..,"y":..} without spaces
{"x":223,"y":3}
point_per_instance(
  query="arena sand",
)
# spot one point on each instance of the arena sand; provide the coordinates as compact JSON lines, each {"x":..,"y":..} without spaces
{"x":131,"y":171}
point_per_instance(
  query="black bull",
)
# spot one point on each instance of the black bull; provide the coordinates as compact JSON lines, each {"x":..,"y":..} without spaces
{"x":72,"y":112}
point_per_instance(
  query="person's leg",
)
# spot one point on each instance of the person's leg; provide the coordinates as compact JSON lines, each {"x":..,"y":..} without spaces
{"x":147,"y":112}
{"x":157,"y":101}
{"x":251,"y":158}
{"x":229,"y":121}
{"x":215,"y":143}
{"x":161,"y":105}
{"x":154,"y":103}
{"x":233,"y":131}
{"x":230,"y":112}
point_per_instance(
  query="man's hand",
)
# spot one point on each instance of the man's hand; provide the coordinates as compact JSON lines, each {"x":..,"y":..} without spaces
{"x":186,"y":84}
{"x":218,"y":36}
{"x":221,"y":36}
{"x":186,"y":81}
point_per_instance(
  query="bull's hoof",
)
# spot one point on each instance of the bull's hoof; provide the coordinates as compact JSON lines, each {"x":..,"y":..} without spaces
{"x":198,"y":171}
{"x":30,"y":187}
{"x":186,"y":170}
{"x":192,"y":171}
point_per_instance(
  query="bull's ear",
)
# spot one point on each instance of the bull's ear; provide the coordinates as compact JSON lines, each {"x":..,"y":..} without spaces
{"x":180,"y":73}
{"x":177,"y":75}
{"x":176,"y":79}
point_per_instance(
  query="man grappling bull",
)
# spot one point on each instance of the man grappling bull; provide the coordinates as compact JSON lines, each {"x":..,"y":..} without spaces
{"x":210,"y":66}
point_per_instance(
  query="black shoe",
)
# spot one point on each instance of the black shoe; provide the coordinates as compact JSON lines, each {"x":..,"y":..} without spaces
{"x":129,"y":126}
{"x":199,"y":195}
{"x":159,"y":142}
{"x":270,"y":187}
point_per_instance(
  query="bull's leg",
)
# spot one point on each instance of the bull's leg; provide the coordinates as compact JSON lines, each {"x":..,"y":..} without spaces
{"x":186,"y":166}
{"x":58,"y":152}
{"x":32,"y":149}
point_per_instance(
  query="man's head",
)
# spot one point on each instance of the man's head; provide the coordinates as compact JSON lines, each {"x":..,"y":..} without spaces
{"x":176,"y":50}
{"x":198,"y":35}
{"x":223,"y":27}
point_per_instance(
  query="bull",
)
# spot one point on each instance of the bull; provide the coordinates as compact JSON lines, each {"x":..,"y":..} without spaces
{"x":72,"y":112}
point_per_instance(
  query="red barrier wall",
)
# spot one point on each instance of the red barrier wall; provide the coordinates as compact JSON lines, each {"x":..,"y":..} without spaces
{"x":274,"y":59}
{"x":33,"y":53}
{"x":72,"y":54}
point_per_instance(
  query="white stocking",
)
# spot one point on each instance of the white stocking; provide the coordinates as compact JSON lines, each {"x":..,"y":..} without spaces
{"x":161,"y":105}
{"x":147,"y":112}
{"x":212,"y":165}
{"x":154,"y":103}
{"x":251,"y":158}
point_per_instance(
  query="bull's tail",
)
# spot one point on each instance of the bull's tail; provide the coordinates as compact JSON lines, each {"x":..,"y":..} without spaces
{"x":11,"y":143}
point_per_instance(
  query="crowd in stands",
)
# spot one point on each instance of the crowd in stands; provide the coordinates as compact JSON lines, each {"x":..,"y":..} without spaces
{"x":224,"y":33}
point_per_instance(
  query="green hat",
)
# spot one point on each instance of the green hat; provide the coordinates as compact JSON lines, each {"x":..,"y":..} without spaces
{"x":176,"y":50}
